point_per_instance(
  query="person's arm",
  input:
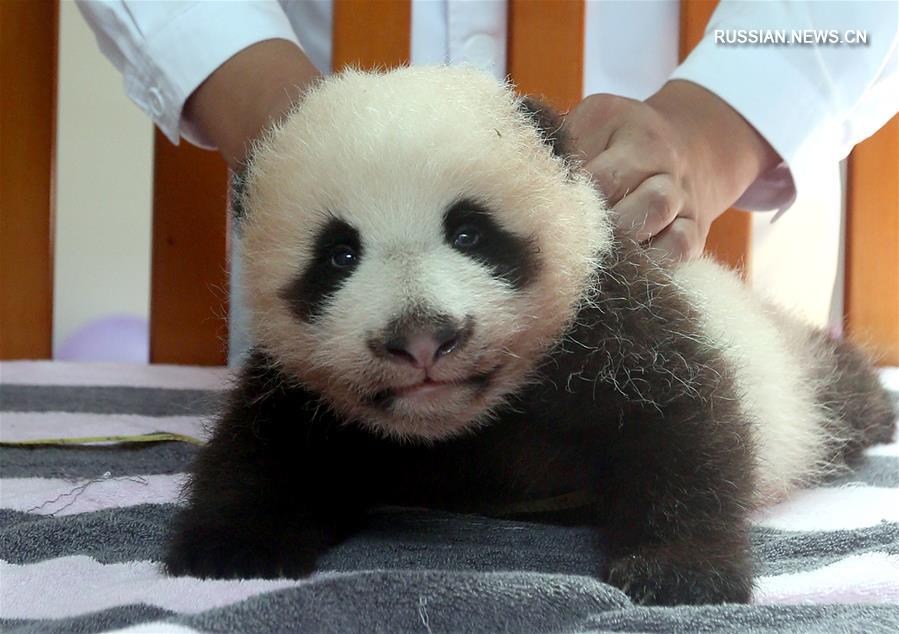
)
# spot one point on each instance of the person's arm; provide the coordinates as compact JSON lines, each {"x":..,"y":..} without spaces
{"x":813,"y":103}
{"x":741,"y":125}
{"x":247,"y":93}
{"x":177,"y":57}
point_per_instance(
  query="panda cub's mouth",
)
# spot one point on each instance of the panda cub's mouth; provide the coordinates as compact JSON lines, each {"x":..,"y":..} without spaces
{"x":429,"y":388}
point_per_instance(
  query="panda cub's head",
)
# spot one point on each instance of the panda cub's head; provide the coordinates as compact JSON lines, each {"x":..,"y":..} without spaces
{"x":413,"y":246}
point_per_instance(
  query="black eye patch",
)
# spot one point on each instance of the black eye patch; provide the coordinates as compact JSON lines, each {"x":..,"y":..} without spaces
{"x":470,"y":229}
{"x":338,"y":251}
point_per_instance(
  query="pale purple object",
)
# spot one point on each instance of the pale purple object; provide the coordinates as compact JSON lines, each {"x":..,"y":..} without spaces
{"x":122,"y":338}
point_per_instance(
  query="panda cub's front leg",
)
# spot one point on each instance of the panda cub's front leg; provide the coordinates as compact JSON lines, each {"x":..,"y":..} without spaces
{"x":266,"y":497}
{"x":677,"y":503}
{"x":247,"y":542}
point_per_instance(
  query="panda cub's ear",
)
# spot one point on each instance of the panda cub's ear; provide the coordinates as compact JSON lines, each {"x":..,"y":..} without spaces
{"x":548,"y":123}
{"x":236,"y":188}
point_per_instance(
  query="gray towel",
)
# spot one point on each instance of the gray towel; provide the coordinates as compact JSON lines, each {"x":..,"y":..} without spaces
{"x":93,"y":565}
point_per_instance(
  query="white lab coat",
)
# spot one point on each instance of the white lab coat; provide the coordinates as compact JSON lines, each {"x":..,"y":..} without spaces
{"x":811,"y":103}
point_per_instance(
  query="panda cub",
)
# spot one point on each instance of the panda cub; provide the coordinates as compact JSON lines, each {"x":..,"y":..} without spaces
{"x":444,"y":316}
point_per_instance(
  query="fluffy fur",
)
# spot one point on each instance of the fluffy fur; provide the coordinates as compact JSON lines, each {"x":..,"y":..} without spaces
{"x":386,"y":157}
{"x":445,"y":317}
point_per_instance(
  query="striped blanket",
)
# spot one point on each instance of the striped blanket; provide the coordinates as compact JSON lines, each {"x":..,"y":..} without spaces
{"x":82,"y":531}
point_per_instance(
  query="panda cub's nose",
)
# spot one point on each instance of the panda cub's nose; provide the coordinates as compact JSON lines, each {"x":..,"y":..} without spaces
{"x":422,"y":348}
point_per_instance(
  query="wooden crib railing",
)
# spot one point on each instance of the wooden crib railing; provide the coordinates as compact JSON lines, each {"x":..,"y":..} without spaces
{"x":190,"y":246}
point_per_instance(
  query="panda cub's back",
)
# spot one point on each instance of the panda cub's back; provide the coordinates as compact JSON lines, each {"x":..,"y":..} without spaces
{"x":777,"y":387}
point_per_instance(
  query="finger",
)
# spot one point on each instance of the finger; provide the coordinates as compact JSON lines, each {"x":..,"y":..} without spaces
{"x":650,"y":208}
{"x":617,"y":172}
{"x":586,"y":142}
{"x":680,"y":241}
{"x":590,"y":124}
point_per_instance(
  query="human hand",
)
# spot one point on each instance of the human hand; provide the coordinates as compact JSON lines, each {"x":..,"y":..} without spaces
{"x":670,"y":165}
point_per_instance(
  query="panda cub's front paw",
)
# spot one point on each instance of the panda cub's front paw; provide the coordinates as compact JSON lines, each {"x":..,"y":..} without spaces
{"x":220,"y":553}
{"x":651,"y":579}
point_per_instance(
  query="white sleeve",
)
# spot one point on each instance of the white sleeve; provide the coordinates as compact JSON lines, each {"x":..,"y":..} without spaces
{"x":812,"y":103}
{"x":165,"y":50}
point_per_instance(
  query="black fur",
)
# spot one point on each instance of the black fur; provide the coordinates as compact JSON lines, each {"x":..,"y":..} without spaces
{"x":508,"y":256}
{"x":237,"y":185}
{"x":852,"y":392}
{"x":669,"y":464}
{"x":308,"y":293}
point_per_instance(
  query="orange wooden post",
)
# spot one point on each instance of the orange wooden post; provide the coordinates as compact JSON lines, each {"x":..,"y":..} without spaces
{"x":872,"y":244}
{"x":370,"y":34}
{"x":28,"y":71}
{"x":546,"y":50}
{"x":730,"y":236}
{"x":188,"y":289}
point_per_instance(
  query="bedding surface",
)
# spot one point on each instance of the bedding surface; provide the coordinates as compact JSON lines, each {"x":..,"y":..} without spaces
{"x":82,"y":530}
